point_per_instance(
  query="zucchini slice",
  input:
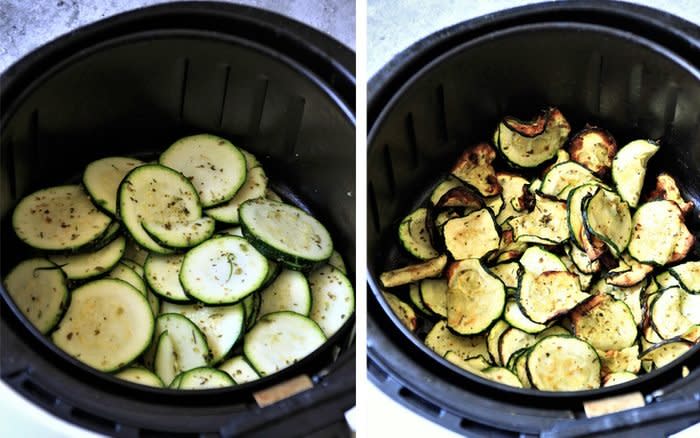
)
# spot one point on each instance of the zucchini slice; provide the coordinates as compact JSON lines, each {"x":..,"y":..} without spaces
{"x":336,"y":261}
{"x":416,"y":300}
{"x":180,"y":346}
{"x":412,"y":273}
{"x":563,"y":363}
{"x":520,"y":368}
{"x":581,"y":260}
{"x":531,"y":143}
{"x":553,"y":331}
{"x":285,"y":233}
{"x":135,"y":252}
{"x":216,"y":167}
{"x":512,"y":192}
{"x":512,"y":340}
{"x":280,"y":339}
{"x":577,"y":229}
{"x":223,"y":270}
{"x":251,"y":306}
{"x":667,"y":188}
{"x":508,"y":249}
{"x":629,"y":168}
{"x":608,"y":218}
{"x":657,"y":226}
{"x":221,"y":325}
{"x":162,"y":273}
{"x":205,"y":378}
{"x":583,"y":278}
{"x":180,"y":234}
{"x":561,"y":179}
{"x":414,"y":237}
{"x":549,"y":295}
{"x":546,"y":224}
{"x":433,"y":294}
{"x":441,"y":340}
{"x":509,"y":273}
{"x":475,"y":298}
{"x":443,"y":187}
{"x":91,"y":264}
{"x":472,"y":236}
{"x":605,"y":323}
{"x":593,"y":148}
{"x":474,"y":365}
{"x":688,"y":275}
{"x":332,"y":298}
{"x":624,"y":360}
{"x":289,"y":291}
{"x":685,"y":241}
{"x":492,"y":340}
{"x":474,"y":168}
{"x":692,"y":334}
{"x":628,"y":273}
{"x":402,"y":311}
{"x":536,"y":261}
{"x":254,"y":187}
{"x":240,"y":370}
{"x":617,"y":378}
{"x":140,"y":376}
{"x":123,"y":272}
{"x":101,"y":180}
{"x":494,"y":203}
{"x":501,"y":375}
{"x":665,"y":352}
{"x":462,"y":197}
{"x":39,"y":288}
{"x":666,"y":280}
{"x":667,"y":313}
{"x":59,"y":219}
{"x":107,"y":325}
{"x":515,"y":317}
{"x":631,"y":295}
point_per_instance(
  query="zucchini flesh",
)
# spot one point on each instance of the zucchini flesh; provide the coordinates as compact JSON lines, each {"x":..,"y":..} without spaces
{"x":605,"y":323}
{"x":108,"y":324}
{"x":472,"y":236}
{"x":409,"y":274}
{"x":520,"y":369}
{"x":216,"y":167}
{"x":624,"y":360}
{"x":180,"y":346}
{"x":289,"y":291}
{"x":583,"y":278}
{"x":657,"y":226}
{"x":162,"y":272}
{"x":180,"y":234}
{"x":441,"y":340}
{"x":492,"y":338}
{"x":608,"y":218}
{"x":135,"y":252}
{"x":546,"y":224}
{"x":553,"y":331}
{"x":205,"y":378}
{"x":508,"y":273}
{"x":536,"y":261}
{"x":414,"y":237}
{"x":280,"y":339}
{"x":336,"y":261}
{"x":251,"y":306}
{"x":332,"y":299}
{"x":240,"y":370}
{"x":501,"y":375}
{"x":561,"y":179}
{"x":254,"y":187}
{"x":475,"y":298}
{"x":404,"y":312}
{"x":617,"y":378}
{"x":563,"y":363}
{"x":630,"y":295}
{"x":39,"y":289}
{"x":140,"y":376}
{"x":91,"y":264}
{"x":688,"y":275}
{"x":59,"y":219}
{"x":474,"y":168}
{"x":629,"y":168}
{"x":593,"y":148}
{"x":102,"y":177}
{"x":551,"y":294}
{"x":433,"y":295}
{"x":127,"y":274}
{"x":495,"y":204}
{"x":474,"y":365}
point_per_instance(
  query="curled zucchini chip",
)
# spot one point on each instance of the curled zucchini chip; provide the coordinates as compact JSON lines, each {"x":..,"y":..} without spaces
{"x":581,"y":260}
{"x":549,"y":295}
{"x":410,"y":274}
{"x":402,"y":310}
{"x":629,"y":168}
{"x":531,"y":143}
{"x":563,"y":363}
{"x":594,"y":148}
{"x":667,"y":188}
{"x":685,"y":241}
{"x":688,"y":275}
{"x":628,"y":273}
{"x":449,"y":183}
{"x":508,"y":249}
{"x":632,"y":295}
{"x":546,"y":224}
{"x":692,"y":334}
{"x":605,"y":323}
{"x":474,"y":168}
{"x":608,"y":218}
{"x":512,"y":192}
{"x":472,"y":236}
{"x":441,"y":340}
{"x":666,"y":352}
{"x":413,"y":235}
{"x":657,"y":227}
{"x":561,"y":179}
{"x":592,"y":246}
{"x":416,"y":300}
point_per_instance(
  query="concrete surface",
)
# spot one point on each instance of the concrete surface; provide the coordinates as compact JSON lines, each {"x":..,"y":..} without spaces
{"x":27,"y":24}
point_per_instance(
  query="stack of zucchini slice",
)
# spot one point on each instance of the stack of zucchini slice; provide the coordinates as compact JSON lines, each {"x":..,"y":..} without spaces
{"x":187,"y":273}
{"x":542,"y":265}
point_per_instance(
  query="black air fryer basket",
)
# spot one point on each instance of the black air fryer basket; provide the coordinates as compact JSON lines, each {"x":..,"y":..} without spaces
{"x":629,"y":69}
{"x":131,"y":85}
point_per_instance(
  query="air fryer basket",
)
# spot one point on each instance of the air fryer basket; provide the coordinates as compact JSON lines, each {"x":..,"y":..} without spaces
{"x":628,"y":69}
{"x":133,"y":84}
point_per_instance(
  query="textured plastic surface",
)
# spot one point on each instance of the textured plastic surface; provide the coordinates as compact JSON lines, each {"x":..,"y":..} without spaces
{"x":626,"y":68}
{"x":132,"y":85}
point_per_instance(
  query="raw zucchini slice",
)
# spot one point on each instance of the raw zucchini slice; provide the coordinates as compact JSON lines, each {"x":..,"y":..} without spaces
{"x":180,"y":234}
{"x":417,"y":301}
{"x":474,"y":365}
{"x":563,"y":363}
{"x":688,"y":275}
{"x":667,"y":313}
{"x":332,"y":298}
{"x":280,"y":339}
{"x":216,"y":167}
{"x":162,"y":272}
{"x":251,"y":305}
{"x":205,"y":378}
{"x":472,"y":236}
{"x":594,"y":148}
{"x":492,"y":340}
{"x":625,"y":360}
{"x":414,"y":237}
{"x":101,"y":180}
{"x":563,"y":178}
{"x":549,"y":295}
{"x":175,"y":384}
{"x":474,"y":168}
{"x":512,"y":340}
{"x":123,"y":272}
{"x":135,"y":266}
{"x":629,"y":168}
{"x":156,"y":194}
{"x":59,"y":219}
{"x":517,"y":319}
{"x":221,"y":325}
{"x":628,"y":273}
{"x":546,"y":224}
{"x":285,"y":233}
{"x":577,"y":228}
{"x":617,"y":378}
{"x":140,"y":376}
{"x":665,"y":352}
{"x":289,"y":291}
{"x":112,"y":232}
{"x":605,"y":323}
{"x":441,"y":340}
{"x":402,"y":311}
{"x":222,"y":270}
{"x":433,"y":295}
{"x":529,"y":144}
{"x":91,"y":264}
{"x":444,"y":187}
{"x":475,"y":298}
{"x":254,"y":187}
{"x":107,"y":325}
{"x":180,"y":346}
{"x":536,"y":261}
{"x":336,"y":261}
{"x":512,"y":192}
{"x":509,"y":273}
{"x":657,"y":226}
{"x":412,"y":273}
{"x":240,"y":370}
{"x":39,"y":288}
{"x":135,"y":252}
{"x":667,"y":188}
{"x":608,"y":218}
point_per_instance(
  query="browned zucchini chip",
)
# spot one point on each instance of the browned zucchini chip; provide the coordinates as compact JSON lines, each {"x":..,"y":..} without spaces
{"x":549,"y":295}
{"x":605,"y":323}
{"x":594,"y":148}
{"x":474,"y":168}
{"x":667,"y":188}
{"x":472,"y":236}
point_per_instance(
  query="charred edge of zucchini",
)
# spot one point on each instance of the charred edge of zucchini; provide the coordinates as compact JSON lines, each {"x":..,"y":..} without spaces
{"x":473,"y":158}
{"x":576,"y":148}
{"x":667,"y":188}
{"x":461,"y":197}
{"x":529,"y":128}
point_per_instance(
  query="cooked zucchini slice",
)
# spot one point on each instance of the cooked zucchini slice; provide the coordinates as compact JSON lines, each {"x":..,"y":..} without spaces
{"x":517,"y":319}
{"x":441,"y":340}
{"x":179,"y":346}
{"x":563,"y":363}
{"x":657,"y":226}
{"x":216,"y":167}
{"x":531,"y":143}
{"x":536,"y":260}
{"x":402,"y":311}
{"x":501,"y":375}
{"x":581,"y":260}
{"x":667,"y":188}
{"x":492,"y":338}
{"x":474,"y":168}
{"x":108,"y":324}
{"x":667,"y":313}
{"x":508,"y":273}
{"x":608,"y":218}
{"x":59,"y":219}
{"x":632,"y":295}
{"x":472,"y":236}
{"x":692,"y":334}
{"x":625,"y":360}
{"x":289,"y":291}
{"x":512,"y":192}
{"x":332,"y":298}
{"x":475,"y":298}
{"x":665,"y":352}
{"x":101,"y":180}
{"x":39,"y":289}
{"x":91,"y":264}
{"x":629,"y":168}
{"x":140,"y":376}
{"x":688,"y":275}
{"x":443,"y":187}
{"x":240,"y":370}
{"x":561,"y":179}
{"x":553,"y":331}
{"x":205,"y":378}
{"x":577,"y":229}
{"x":254,"y":187}
{"x":474,"y":365}
{"x":180,"y":235}
{"x":416,"y":300}
{"x":520,"y":368}
{"x":410,"y":274}
{"x":512,"y":340}
{"x":628,"y":273}
{"x":546,"y":224}
{"x":605,"y":323}
{"x":583,"y":278}
{"x":251,"y":306}
{"x":494,"y":203}
{"x":508,"y":249}
{"x":617,"y":378}
{"x":162,"y":273}
{"x":549,"y":295}
{"x":593,"y":148}
{"x":414,"y":237}
{"x":461,"y":197}
{"x":433,"y":294}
